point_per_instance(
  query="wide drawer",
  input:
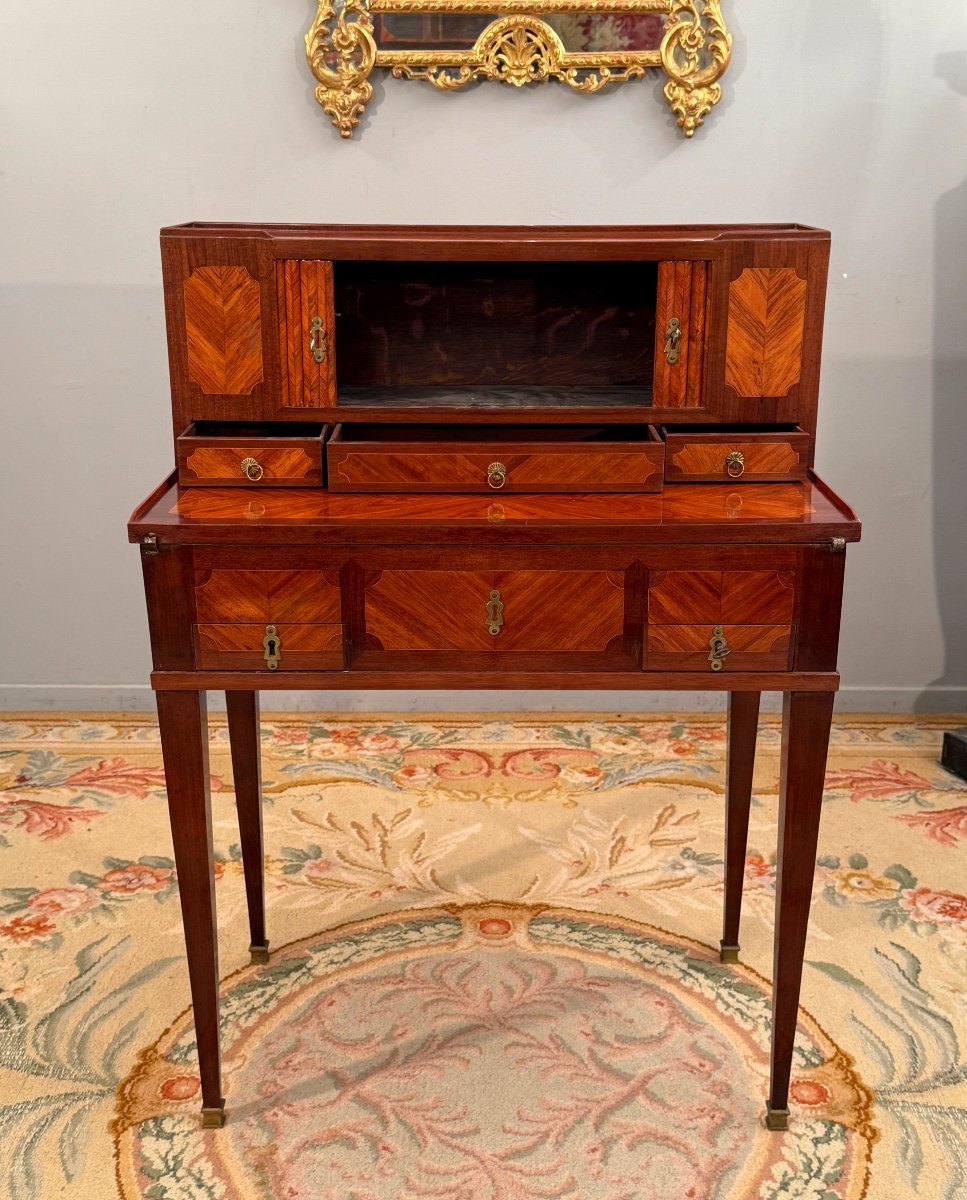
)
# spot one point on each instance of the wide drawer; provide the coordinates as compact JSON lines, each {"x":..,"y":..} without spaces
{"x":392,"y":458}
{"x":419,"y":620}
{"x":736,"y":454}
{"x":212,"y":454}
{"x":269,"y":647}
{"x":718,"y":648}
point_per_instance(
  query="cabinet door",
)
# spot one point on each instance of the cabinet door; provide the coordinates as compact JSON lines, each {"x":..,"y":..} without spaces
{"x":680,"y":323}
{"x":222,"y":346}
{"x":307,"y":332}
{"x":764,"y":341}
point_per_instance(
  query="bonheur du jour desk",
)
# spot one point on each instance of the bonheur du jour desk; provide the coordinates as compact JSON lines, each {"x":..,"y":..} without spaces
{"x":547,"y":459}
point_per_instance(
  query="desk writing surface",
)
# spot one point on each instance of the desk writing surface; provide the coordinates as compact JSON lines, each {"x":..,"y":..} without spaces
{"x":769,"y":512}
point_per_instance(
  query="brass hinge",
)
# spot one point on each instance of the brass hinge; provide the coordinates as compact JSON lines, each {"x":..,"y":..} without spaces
{"x":149,"y":543}
{"x":837,"y":545}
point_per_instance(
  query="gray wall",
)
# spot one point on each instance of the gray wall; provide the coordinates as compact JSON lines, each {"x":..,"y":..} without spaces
{"x":118,"y":119}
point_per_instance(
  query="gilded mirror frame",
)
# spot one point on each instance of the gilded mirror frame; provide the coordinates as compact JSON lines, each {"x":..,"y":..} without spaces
{"x":518,"y":47}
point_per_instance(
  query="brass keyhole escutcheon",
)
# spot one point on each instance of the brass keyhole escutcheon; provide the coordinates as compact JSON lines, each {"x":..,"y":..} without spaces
{"x":735,"y":464}
{"x":495,"y":613}
{"x":252,"y":469}
{"x":496,"y":475}
{"x":673,"y":340}
{"x":317,"y":339}
{"x":272,"y":645}
{"x":719,"y":649}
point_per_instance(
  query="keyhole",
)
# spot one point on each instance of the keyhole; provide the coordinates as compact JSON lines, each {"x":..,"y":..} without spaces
{"x":272,"y":647}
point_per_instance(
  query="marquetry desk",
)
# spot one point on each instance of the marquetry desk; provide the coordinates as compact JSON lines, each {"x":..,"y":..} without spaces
{"x":599,"y":592}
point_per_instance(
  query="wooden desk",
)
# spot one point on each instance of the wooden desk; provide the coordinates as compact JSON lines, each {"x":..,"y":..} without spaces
{"x":597,"y":592}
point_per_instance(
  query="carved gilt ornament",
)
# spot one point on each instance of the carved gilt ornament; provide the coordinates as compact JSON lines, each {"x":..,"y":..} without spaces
{"x":520,"y":42}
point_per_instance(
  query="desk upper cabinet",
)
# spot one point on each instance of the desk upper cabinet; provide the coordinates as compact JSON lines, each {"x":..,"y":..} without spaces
{"x":678,"y":326}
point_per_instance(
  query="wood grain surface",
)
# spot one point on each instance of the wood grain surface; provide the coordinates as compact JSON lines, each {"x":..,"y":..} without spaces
{"x":305,"y":290}
{"x":380,"y":461}
{"x":738,"y":597}
{"x":767,"y":314}
{"x":239,"y":647}
{"x":703,"y":456}
{"x":447,"y":610}
{"x":681,"y":294}
{"x":767,"y":513}
{"x":687,"y":647}
{"x":239,"y":595}
{"x":224,"y":330}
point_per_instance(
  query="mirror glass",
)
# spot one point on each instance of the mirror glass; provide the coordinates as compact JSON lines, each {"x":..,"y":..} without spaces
{"x":580,"y":32}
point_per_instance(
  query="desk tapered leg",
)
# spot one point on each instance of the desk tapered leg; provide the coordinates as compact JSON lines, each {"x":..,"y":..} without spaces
{"x":243,"y":734}
{"x":806,"y":718}
{"x":184,"y":745}
{"x":742,"y":725}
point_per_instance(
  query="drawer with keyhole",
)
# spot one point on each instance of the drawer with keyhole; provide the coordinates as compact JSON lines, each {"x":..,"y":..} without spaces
{"x":426,"y":619}
{"x":710,"y":620}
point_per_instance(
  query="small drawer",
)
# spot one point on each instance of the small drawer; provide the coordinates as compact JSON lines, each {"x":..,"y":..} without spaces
{"x":718,"y":648}
{"x":394,"y":458}
{"x":257,"y":647}
{"x":212,"y":454}
{"x":735,"y":453}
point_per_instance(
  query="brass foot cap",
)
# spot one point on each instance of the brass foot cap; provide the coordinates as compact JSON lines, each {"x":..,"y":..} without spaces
{"x":728,"y":954}
{"x":260,"y":954}
{"x":213,"y":1118}
{"x":777,"y":1119}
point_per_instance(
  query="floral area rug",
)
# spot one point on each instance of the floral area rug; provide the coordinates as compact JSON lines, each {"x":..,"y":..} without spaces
{"x":493,"y":974}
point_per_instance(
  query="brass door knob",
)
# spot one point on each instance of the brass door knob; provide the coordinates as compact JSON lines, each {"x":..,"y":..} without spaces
{"x":252,"y":468}
{"x":735,"y":464}
{"x":496,"y":475}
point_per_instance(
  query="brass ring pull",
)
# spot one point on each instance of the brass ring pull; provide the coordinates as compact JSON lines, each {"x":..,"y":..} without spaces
{"x":252,"y":468}
{"x":735,"y":464}
{"x":495,"y":613}
{"x":673,"y":340}
{"x":317,"y":339}
{"x":719,"y":649}
{"x":496,"y":475}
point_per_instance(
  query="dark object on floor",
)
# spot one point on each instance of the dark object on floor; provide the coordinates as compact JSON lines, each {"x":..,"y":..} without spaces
{"x":953,"y":756}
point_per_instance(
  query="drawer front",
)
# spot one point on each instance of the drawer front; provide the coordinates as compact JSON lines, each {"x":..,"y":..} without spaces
{"x":718,"y":648}
{"x":508,"y":465}
{"x":735,"y":457}
{"x":495,"y":611}
{"x":228,"y":460}
{"x":720,"y":620}
{"x":251,"y":647}
{"x":295,"y":597}
{"x":711,"y":597}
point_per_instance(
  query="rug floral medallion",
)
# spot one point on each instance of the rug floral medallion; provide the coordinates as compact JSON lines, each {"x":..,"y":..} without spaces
{"x":492,"y":974}
{"x":493,"y":1051}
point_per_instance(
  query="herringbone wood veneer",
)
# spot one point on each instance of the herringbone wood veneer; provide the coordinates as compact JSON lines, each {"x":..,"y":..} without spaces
{"x":767,"y":314}
{"x":223,"y":327}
